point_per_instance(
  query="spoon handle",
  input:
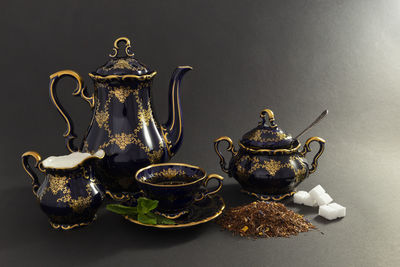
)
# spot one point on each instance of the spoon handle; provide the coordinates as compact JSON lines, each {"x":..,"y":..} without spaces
{"x":320,"y":117}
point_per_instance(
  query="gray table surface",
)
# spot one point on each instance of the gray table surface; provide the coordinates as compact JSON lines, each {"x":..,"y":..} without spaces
{"x":296,"y":57}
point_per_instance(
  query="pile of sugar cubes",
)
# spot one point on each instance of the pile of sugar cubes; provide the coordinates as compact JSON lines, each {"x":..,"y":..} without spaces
{"x":318,"y":197}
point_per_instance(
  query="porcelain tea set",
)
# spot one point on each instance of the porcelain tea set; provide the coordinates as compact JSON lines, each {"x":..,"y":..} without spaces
{"x":124,"y":151}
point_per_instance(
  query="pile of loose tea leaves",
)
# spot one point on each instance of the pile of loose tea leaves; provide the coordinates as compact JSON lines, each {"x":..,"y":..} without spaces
{"x":263,"y":219}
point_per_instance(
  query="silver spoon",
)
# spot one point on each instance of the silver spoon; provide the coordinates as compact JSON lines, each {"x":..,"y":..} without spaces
{"x":320,"y":117}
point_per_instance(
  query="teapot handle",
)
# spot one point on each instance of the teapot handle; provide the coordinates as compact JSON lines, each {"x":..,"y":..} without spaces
{"x":69,"y":135}
{"x":307,"y":149}
{"x":28,"y":169}
{"x":230,"y":148}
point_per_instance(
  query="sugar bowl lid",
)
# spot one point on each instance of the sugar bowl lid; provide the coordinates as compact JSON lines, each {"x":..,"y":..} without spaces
{"x":267,"y":135}
{"x":122,"y":62}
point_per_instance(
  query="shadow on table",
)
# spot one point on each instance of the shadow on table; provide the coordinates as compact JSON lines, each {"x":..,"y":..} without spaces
{"x":24,"y":225}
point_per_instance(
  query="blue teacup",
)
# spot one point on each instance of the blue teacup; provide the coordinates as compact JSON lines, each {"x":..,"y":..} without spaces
{"x":175,"y":185}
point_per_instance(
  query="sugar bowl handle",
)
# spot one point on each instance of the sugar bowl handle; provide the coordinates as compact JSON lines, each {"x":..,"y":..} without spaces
{"x":29,"y":170}
{"x":230,"y":148}
{"x":307,"y":149}
{"x":69,"y":135}
{"x":217,"y":177}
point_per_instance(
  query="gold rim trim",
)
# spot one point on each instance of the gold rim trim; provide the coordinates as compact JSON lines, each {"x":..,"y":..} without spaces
{"x":170,"y":216}
{"x":219,"y":212}
{"x":71,"y":226}
{"x":272,"y":151}
{"x":118,"y":196}
{"x":267,"y":198}
{"x":123,"y":77}
{"x":170,"y":164}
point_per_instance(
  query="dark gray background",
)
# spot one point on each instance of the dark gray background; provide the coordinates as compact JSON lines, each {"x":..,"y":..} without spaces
{"x":296,"y":57}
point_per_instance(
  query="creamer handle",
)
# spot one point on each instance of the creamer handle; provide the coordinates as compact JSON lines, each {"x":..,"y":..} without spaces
{"x":29,"y":170}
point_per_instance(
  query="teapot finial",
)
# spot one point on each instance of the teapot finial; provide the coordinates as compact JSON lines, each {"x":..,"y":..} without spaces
{"x":271,"y":117}
{"x":127,"y":47}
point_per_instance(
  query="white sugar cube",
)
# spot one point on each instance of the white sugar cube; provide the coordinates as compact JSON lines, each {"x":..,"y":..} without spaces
{"x":300,"y":196}
{"x":303,"y":197}
{"x":317,"y":189}
{"x":332,"y":211}
{"x":310,"y":201}
{"x":322,"y":198}
{"x":340,"y":210}
{"x":327,"y":212}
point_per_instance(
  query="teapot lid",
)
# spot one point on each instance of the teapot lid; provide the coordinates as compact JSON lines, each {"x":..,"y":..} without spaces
{"x":267,"y":135}
{"x":122,"y":62}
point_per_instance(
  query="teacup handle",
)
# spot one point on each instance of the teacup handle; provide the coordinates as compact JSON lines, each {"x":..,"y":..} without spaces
{"x":28,"y":169}
{"x":219,"y":178}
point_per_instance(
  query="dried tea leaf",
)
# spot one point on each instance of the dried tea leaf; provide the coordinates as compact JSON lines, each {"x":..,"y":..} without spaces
{"x":263,"y":219}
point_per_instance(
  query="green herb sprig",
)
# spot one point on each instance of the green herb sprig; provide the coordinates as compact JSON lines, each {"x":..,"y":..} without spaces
{"x":142,"y":212}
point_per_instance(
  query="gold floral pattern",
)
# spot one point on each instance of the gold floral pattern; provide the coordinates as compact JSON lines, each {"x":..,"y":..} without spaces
{"x":80,"y":204}
{"x":122,"y":93}
{"x":144,"y":116}
{"x":122,"y":140}
{"x":301,"y":172}
{"x":60,"y":184}
{"x":169,"y":173}
{"x":101,"y":118}
{"x":121,"y":64}
{"x":272,"y":166}
{"x":256,"y":136}
{"x":156,"y":155}
{"x":125,"y":64}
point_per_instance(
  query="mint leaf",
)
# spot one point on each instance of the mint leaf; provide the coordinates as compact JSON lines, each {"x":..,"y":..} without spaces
{"x":142,"y":212}
{"x":121,"y":209}
{"x":146,"y":219}
{"x":163,"y":220}
{"x":145,"y":205}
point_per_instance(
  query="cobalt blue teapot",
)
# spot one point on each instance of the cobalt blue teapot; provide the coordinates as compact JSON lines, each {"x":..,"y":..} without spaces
{"x":123,"y":122}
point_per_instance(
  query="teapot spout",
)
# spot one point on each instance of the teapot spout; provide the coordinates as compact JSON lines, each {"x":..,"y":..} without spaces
{"x":173,"y":129}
